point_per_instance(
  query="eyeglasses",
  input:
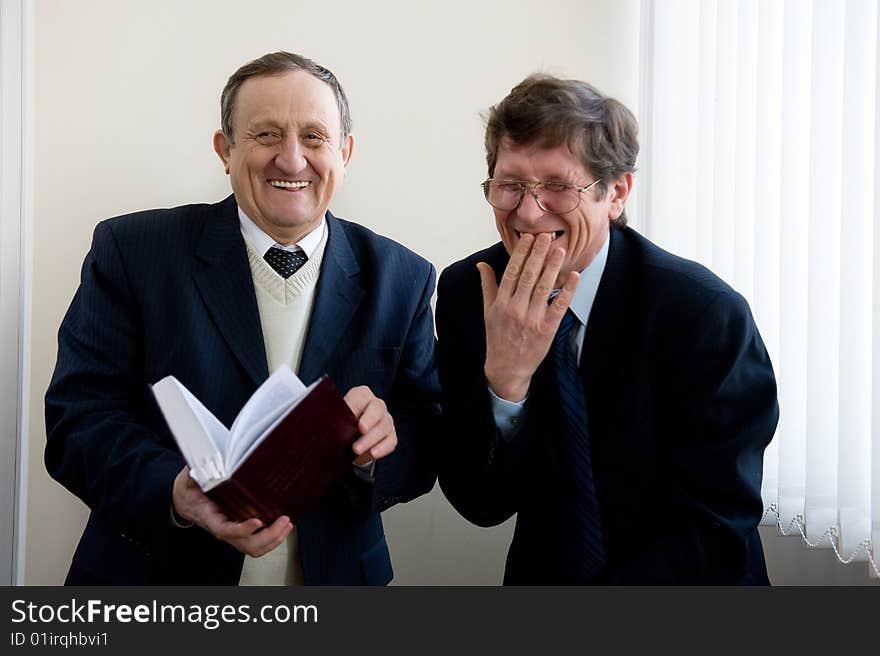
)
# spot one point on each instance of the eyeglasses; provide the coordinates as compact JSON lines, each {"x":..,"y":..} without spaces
{"x":552,"y":197}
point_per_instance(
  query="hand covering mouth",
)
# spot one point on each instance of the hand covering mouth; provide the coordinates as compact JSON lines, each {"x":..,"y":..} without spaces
{"x":553,"y":235}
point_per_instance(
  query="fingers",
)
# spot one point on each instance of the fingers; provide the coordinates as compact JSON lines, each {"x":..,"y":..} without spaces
{"x":245,"y":536}
{"x":487,"y":284}
{"x":275,"y":543}
{"x":374,"y":412}
{"x":269,"y":538}
{"x":547,"y":280}
{"x":188,"y":500}
{"x":375,"y":424}
{"x":532,"y":271}
{"x":221,"y":528}
{"x":378,"y":437}
{"x":380,"y":441}
{"x":358,"y":398}
{"x":515,"y":266}
{"x":563,"y":299}
{"x":262,"y":542}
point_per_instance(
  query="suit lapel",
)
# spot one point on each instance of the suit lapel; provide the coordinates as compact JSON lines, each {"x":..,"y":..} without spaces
{"x":337,"y":297}
{"x":226,"y":285}
{"x":608,"y":325}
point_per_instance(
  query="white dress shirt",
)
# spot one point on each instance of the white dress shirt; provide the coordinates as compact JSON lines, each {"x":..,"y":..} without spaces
{"x":263,"y":242}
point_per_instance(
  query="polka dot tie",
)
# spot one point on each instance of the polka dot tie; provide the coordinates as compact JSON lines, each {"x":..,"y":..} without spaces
{"x":285,"y":263}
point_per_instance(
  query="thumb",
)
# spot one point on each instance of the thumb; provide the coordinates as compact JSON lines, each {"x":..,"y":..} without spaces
{"x":358,"y":398}
{"x":488,"y":284}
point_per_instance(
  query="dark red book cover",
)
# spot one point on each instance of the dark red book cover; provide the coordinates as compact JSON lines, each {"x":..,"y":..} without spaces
{"x":295,"y":465}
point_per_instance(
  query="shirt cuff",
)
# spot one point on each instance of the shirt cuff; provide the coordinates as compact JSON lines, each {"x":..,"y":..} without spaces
{"x":365,"y":472}
{"x":507,"y":414}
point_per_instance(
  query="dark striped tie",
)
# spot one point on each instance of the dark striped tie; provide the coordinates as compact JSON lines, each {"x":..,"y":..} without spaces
{"x":285,"y":263}
{"x":587,"y":555}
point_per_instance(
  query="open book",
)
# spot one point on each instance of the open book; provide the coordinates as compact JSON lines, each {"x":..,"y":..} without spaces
{"x":287,"y":446}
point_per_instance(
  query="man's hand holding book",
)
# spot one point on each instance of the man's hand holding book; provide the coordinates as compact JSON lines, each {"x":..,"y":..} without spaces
{"x":298,"y":439}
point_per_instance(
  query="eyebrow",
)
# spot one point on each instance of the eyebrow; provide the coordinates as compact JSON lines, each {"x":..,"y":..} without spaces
{"x":317,"y":126}
{"x":516,"y":177}
{"x":508,"y":175}
{"x":263,"y":123}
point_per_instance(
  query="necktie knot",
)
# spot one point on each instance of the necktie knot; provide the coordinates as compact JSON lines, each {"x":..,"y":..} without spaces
{"x":285,"y":263}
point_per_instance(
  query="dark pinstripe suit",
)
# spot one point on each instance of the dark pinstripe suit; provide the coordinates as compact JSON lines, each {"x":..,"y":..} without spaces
{"x":171,"y":292}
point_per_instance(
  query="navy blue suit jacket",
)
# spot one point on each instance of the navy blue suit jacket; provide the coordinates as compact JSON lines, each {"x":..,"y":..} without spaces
{"x":171,"y":292}
{"x":681,"y":402}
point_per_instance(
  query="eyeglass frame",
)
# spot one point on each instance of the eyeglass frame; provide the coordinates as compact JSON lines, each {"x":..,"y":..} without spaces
{"x":533,"y":187}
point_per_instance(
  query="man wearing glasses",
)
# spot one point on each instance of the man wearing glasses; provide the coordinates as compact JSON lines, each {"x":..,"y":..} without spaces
{"x":615,"y":397}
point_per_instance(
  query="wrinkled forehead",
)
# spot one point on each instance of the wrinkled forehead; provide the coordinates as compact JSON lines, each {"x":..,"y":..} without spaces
{"x":291,"y":97}
{"x":540,"y":158}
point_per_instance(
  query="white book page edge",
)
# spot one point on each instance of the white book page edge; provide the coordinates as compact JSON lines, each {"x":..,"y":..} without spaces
{"x":185,"y":415}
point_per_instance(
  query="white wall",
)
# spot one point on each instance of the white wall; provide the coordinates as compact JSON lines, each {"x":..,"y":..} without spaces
{"x":126,"y":101}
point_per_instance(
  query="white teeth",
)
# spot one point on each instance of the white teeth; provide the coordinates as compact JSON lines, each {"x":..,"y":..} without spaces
{"x":553,"y":235}
{"x":290,"y":185}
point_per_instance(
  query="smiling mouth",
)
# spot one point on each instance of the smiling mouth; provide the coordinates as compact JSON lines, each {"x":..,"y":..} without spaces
{"x":553,"y":235}
{"x":289,"y":184}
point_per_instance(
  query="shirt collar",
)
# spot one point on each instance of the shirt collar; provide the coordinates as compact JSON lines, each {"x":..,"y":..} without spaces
{"x":263,"y":242}
{"x":588,"y":284}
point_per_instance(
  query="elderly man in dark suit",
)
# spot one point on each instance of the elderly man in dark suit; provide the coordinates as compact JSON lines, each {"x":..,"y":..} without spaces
{"x":617,"y":398}
{"x":219,"y":296}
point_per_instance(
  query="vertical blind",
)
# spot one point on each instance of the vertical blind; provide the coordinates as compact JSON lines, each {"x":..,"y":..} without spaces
{"x":761,"y":160}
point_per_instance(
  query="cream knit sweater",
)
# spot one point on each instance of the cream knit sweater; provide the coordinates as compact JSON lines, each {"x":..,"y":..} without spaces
{"x":285,"y":307}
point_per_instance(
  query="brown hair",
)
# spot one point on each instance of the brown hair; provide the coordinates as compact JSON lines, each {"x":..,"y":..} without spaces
{"x":549,"y":111}
{"x":276,"y":63}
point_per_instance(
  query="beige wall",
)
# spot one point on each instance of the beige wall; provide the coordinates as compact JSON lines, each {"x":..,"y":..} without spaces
{"x":126,"y":100}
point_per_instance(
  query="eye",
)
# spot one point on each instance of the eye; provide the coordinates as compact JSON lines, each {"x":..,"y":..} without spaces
{"x":556,"y":187}
{"x":508,"y":187}
{"x":314,"y":139}
{"x":268,"y":137}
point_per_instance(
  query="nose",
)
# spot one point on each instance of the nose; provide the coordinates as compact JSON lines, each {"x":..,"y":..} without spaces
{"x":528,"y":209}
{"x":290,"y":157}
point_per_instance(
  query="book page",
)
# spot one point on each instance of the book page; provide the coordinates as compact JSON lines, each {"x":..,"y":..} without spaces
{"x":269,"y":403}
{"x":268,"y":428}
{"x":215,"y":429}
{"x":194,"y":428}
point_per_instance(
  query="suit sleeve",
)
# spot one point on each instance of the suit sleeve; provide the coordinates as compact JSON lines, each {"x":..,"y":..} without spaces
{"x":721,"y":412}
{"x":411,"y":469}
{"x":99,"y":446}
{"x":414,"y":403}
{"x":479,"y":470}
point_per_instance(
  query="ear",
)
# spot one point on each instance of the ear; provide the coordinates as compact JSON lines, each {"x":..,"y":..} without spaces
{"x":222,"y":148}
{"x":619,"y":189}
{"x":347,"y":149}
